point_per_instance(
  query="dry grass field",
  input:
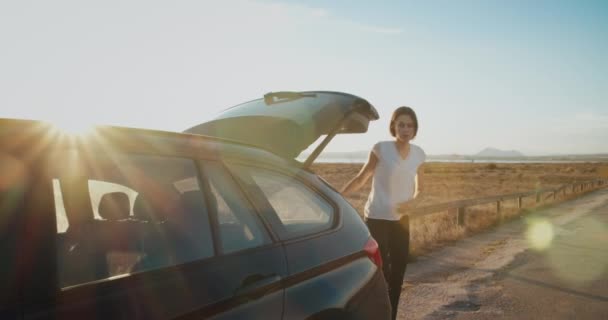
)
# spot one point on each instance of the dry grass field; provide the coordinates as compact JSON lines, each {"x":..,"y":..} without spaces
{"x":457,"y":181}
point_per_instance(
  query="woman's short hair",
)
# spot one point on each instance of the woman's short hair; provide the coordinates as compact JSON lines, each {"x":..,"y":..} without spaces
{"x":403,"y":111}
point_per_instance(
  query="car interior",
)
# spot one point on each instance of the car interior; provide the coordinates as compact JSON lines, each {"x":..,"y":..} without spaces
{"x":158,"y":223}
{"x":163,"y":228}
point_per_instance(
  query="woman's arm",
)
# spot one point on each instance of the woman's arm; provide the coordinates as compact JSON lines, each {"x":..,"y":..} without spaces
{"x":420,"y":183}
{"x":359,"y":180}
{"x":419,"y":191}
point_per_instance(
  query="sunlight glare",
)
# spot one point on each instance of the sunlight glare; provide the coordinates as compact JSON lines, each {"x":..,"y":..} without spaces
{"x":539,"y":234}
{"x":76,"y":127}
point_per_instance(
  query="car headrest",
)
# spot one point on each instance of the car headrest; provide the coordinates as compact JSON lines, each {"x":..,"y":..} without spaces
{"x":144,"y":211}
{"x":114,"y":206}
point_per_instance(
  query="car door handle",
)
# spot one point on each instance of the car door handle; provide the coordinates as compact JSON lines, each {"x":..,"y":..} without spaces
{"x":257,"y":282}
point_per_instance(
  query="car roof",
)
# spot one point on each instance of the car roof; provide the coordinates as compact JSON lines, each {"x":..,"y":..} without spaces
{"x":21,"y":135}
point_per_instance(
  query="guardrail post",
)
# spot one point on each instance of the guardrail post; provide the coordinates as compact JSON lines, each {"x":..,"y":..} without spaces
{"x":499,"y":212}
{"x":537,"y":197}
{"x":460,"y":216}
{"x":519,"y":202}
{"x":554,"y":192}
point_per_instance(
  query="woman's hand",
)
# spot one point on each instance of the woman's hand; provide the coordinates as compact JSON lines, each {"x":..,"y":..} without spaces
{"x":364,"y":174}
{"x":407,"y":206}
{"x":415,"y":202}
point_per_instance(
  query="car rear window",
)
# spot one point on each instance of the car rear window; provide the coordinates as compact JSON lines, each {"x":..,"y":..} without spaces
{"x":300,"y":209}
{"x":125,"y":213}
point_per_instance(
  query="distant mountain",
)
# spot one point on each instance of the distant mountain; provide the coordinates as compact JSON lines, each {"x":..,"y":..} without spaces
{"x":496,"y":153}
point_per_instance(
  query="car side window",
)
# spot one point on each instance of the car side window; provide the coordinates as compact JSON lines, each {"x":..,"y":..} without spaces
{"x":126,"y":213}
{"x":237,"y":222}
{"x":301,"y":210}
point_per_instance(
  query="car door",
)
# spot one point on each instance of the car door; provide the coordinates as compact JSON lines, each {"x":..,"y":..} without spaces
{"x":253,"y":260}
{"x":12,"y":198}
{"x":137,"y":238}
{"x":327,"y":266}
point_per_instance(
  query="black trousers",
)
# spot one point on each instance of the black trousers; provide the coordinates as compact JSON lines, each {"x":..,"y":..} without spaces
{"x":393,"y":238}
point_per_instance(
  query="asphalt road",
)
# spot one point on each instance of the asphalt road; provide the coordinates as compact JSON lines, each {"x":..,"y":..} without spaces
{"x":552,"y":264}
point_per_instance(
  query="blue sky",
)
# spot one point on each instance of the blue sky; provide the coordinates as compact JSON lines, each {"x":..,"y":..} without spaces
{"x":524,"y":75}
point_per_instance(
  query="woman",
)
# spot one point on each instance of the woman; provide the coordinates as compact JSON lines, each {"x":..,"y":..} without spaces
{"x":396,"y":182}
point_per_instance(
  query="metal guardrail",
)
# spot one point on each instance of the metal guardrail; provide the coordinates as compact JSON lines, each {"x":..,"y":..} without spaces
{"x":541,"y":196}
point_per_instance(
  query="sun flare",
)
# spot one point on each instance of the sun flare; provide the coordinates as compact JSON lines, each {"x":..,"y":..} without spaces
{"x":540,"y":234}
{"x":76,"y":127}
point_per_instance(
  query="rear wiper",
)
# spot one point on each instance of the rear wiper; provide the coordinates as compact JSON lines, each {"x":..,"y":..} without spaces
{"x":285,"y":96}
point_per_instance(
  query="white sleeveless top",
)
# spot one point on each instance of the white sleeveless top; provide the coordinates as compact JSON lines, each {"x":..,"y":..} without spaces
{"x":394,"y":180}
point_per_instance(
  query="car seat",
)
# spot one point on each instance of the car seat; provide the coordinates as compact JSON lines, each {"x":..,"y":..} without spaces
{"x":119,"y":240}
{"x":156,"y":239}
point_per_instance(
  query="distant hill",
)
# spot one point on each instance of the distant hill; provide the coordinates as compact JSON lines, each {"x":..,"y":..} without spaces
{"x":496,"y":153}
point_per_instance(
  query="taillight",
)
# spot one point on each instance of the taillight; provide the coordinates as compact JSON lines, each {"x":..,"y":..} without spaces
{"x":373,"y":252}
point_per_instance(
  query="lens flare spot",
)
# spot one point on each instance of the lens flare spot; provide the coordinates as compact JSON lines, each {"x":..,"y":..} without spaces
{"x":540,"y":234}
{"x":580,"y":257}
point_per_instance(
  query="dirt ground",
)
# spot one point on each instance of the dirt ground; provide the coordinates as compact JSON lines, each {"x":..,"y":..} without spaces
{"x":445,"y":182}
{"x":506,"y":274}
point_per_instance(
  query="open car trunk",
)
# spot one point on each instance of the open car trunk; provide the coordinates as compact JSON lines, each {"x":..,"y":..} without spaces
{"x":286,"y":123}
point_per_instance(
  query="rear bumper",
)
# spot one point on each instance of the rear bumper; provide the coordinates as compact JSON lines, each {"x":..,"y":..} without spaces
{"x":372,"y":302}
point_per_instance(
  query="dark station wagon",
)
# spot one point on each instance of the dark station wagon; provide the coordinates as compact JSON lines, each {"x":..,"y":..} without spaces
{"x":219,"y":222}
